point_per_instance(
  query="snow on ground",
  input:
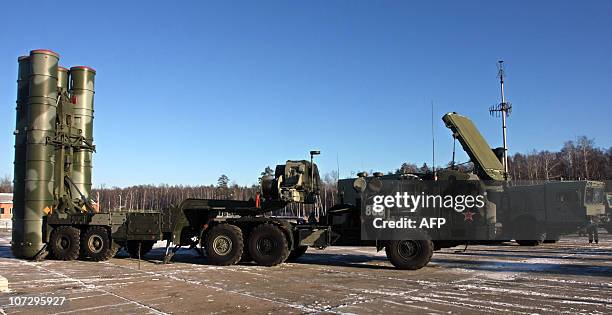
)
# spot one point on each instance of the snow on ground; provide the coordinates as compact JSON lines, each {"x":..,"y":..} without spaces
{"x":568,"y":277}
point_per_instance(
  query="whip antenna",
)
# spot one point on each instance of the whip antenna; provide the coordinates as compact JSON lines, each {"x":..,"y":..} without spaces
{"x":433,"y":143}
{"x":502,"y":109}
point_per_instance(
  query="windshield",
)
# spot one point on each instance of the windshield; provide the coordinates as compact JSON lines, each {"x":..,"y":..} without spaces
{"x":594,"y":195}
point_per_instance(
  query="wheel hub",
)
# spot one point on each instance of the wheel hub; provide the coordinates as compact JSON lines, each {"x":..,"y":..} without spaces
{"x":64,"y":242}
{"x":266,"y":246}
{"x":95,"y":244}
{"x":222,"y":245}
{"x":408,"y":249}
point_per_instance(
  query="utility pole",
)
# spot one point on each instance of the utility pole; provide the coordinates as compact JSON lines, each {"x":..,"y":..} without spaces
{"x":504,"y":109}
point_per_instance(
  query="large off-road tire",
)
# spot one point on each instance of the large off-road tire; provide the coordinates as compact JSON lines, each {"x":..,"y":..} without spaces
{"x":268,"y":245}
{"x":145,"y":248}
{"x":297,"y":253}
{"x":529,"y":242}
{"x":536,"y":239}
{"x":409,"y":254}
{"x":529,"y":232}
{"x":96,"y":244}
{"x":65,"y":242}
{"x":246,"y":256}
{"x":224,"y":245}
{"x":551,"y":238}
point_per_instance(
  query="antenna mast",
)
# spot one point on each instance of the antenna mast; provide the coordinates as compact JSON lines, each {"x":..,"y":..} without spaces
{"x":503,"y":109}
{"x":433,"y":143}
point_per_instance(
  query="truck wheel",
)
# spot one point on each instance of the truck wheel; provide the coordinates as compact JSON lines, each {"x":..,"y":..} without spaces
{"x":96,"y":244}
{"x":529,"y":242}
{"x":145,"y":248}
{"x":535,"y":240}
{"x":246,"y":256}
{"x":65,"y":242}
{"x":409,"y":254}
{"x":529,"y":233}
{"x":224,"y":245}
{"x":551,"y":238}
{"x":297,"y":253}
{"x":268,"y":245}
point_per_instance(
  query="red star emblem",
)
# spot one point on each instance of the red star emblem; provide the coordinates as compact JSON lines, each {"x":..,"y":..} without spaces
{"x":468,"y":216}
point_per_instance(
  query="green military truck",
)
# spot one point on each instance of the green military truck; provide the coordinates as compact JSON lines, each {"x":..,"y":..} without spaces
{"x":542,"y":212}
{"x":228,"y":231}
{"x":435,"y":226}
{"x":528,"y":213}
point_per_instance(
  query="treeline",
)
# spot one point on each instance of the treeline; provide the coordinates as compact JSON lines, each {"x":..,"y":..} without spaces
{"x":157,"y":197}
{"x":579,"y":159}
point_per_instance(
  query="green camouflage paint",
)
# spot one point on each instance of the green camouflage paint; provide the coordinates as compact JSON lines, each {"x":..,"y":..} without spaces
{"x":82,"y":91}
{"x":40,"y":154}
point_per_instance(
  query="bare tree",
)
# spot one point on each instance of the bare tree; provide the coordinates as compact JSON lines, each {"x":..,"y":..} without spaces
{"x":549,"y":162}
{"x":585,"y":146}
{"x":6,"y":184}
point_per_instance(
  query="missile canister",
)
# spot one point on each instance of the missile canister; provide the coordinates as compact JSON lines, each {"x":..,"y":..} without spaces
{"x":82,"y":93}
{"x":23,"y":85}
{"x":40,"y":155}
{"x":62,"y":78}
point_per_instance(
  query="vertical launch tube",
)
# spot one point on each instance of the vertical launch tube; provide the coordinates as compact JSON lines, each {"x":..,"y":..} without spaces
{"x":40,"y":155}
{"x":62,"y":78}
{"x":23,"y":86}
{"x":82,"y":91}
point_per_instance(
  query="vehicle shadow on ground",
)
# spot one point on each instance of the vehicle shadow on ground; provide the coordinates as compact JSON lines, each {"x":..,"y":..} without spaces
{"x":526,"y":267}
{"x":348,"y":260}
{"x":536,"y":250}
{"x":5,"y":252}
{"x":373,"y":262}
{"x":328,"y":259}
{"x":510,"y":254}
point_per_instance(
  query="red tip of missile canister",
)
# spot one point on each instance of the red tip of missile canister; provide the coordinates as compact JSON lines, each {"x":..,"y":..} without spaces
{"x":83,"y":68}
{"x":44,"y":51}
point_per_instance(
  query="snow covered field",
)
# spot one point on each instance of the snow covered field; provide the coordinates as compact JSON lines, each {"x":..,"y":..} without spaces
{"x":568,"y":277}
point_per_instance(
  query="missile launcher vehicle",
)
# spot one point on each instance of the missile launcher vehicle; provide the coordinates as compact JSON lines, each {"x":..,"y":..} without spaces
{"x":528,"y":213}
{"x":55,"y":214}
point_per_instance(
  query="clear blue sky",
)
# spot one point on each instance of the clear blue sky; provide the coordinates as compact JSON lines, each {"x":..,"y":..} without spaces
{"x":187,"y":91}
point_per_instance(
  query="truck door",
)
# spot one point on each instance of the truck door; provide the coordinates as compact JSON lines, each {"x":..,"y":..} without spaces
{"x":563,"y":204}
